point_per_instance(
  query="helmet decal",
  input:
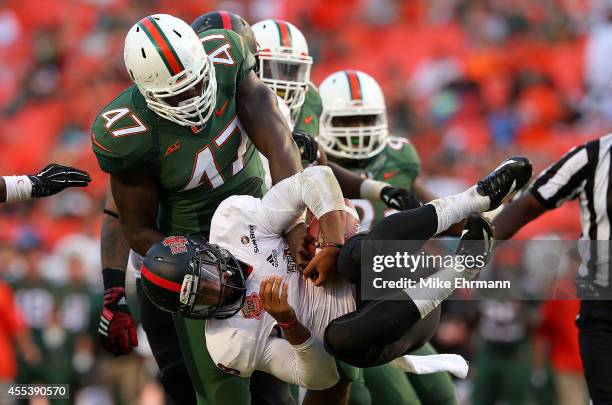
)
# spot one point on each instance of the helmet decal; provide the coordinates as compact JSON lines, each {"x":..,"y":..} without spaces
{"x":177,"y":244}
{"x":354,"y":84}
{"x":163,"y":46}
{"x":284,"y":33}
{"x":159,"y":281}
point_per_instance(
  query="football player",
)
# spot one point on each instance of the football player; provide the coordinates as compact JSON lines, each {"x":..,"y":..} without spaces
{"x":50,"y":180}
{"x":190,"y":276}
{"x":354,"y":134}
{"x":175,"y":145}
{"x":284,"y":63}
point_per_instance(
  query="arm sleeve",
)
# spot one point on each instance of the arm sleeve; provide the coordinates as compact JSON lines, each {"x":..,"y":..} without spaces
{"x":307,"y":365}
{"x":565,"y":179}
{"x":315,"y":188}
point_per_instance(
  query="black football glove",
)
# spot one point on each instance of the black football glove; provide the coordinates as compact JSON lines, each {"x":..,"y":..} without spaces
{"x":54,"y":178}
{"x":399,"y":198}
{"x":306,"y":144}
{"x":117,"y":330}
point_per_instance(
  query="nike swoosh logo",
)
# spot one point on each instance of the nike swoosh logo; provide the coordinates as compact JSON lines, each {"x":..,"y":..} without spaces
{"x":309,"y":119}
{"x":222,"y":109}
{"x":464,"y":232}
{"x":172,"y":148}
{"x":388,"y":175}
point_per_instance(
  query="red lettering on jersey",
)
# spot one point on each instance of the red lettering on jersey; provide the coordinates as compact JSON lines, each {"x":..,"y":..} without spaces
{"x":252,"y":308}
{"x":177,"y":244}
{"x":228,"y":369}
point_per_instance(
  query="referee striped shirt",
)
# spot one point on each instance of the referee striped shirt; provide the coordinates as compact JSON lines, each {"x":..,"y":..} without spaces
{"x":584,"y":173}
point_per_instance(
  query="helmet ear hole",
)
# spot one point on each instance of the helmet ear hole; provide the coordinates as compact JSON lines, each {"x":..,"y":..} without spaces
{"x":132,"y":75}
{"x":144,"y":55}
{"x":176,"y":32}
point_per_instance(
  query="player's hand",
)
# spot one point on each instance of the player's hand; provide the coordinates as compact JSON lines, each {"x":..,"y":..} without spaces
{"x":54,"y":178}
{"x":306,"y":144}
{"x":399,"y":198}
{"x":117,"y":330}
{"x":298,"y":241}
{"x":273,"y":295}
{"x":323,"y":265}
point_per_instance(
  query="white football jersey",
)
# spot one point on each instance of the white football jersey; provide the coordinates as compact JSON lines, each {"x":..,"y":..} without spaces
{"x":252,"y":233}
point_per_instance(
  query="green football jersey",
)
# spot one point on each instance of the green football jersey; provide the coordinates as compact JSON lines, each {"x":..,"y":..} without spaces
{"x":398,"y":164}
{"x":195,"y":168}
{"x":307,"y":118}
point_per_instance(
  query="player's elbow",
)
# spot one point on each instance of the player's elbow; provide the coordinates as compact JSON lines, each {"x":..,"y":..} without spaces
{"x":326,"y":376}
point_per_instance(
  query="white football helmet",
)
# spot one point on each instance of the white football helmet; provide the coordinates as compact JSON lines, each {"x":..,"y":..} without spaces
{"x":283,"y":60}
{"x":354,"y":118}
{"x":166,"y":60}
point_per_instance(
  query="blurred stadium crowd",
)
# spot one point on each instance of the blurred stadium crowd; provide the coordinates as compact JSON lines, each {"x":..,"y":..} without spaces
{"x":467,"y":81}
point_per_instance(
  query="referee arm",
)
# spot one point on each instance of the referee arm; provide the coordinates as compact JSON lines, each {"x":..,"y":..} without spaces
{"x":516,"y":215}
{"x":562,"y":181}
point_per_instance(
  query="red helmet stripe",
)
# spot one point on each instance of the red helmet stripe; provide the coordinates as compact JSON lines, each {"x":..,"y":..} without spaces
{"x":164,"y":49}
{"x":162,"y":282}
{"x":226,"y":20}
{"x":284,"y":32}
{"x":354,"y":84}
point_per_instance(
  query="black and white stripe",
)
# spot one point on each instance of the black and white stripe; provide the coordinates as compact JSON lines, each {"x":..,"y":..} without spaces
{"x":584,"y":173}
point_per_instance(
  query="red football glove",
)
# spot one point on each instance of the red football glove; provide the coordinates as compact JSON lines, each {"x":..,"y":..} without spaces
{"x":117,"y":331}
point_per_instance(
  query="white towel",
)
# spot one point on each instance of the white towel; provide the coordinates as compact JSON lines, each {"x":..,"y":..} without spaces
{"x":453,"y":363}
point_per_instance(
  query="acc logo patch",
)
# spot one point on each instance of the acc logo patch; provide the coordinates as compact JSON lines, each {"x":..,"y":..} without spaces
{"x":245,"y":240}
{"x":177,"y":244}
{"x":252,"y":307}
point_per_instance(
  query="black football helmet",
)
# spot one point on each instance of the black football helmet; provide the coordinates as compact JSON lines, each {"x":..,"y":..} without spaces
{"x":226,"y":20}
{"x":189,"y":276}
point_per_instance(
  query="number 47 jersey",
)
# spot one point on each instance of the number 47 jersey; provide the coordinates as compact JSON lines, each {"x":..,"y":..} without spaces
{"x":195,"y":168}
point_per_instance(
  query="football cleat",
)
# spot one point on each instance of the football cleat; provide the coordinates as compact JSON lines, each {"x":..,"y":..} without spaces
{"x":477,"y":237}
{"x":512,"y":175}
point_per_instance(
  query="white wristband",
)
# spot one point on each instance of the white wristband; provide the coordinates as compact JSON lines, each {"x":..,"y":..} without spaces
{"x":18,"y":188}
{"x":370,"y":189}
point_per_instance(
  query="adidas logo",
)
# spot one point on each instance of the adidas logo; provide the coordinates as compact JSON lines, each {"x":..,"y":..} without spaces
{"x":273,"y":259}
{"x":122,"y":301}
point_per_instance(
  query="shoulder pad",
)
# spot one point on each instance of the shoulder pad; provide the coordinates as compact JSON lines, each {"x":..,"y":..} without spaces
{"x":122,"y":132}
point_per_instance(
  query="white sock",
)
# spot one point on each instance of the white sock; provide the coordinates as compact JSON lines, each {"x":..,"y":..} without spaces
{"x":455,"y":208}
{"x":426,"y":299}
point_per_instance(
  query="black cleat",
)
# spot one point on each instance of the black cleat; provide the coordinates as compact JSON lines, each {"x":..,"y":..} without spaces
{"x":513,"y":174}
{"x":477,"y":237}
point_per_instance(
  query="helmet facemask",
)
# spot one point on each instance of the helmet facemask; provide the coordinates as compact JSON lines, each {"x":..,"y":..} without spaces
{"x":214,"y":285}
{"x":354,"y":134}
{"x":193,"y":111}
{"x":286,"y":74}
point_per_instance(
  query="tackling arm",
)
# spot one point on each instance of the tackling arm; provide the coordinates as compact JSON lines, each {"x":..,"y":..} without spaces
{"x":114,"y":248}
{"x":137,"y":199}
{"x":258,"y":111}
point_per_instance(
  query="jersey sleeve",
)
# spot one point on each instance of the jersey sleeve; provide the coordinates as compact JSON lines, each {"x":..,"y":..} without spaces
{"x":310,"y":112}
{"x":403,"y":165}
{"x":236,"y":57}
{"x":122,"y":139}
{"x":315,"y":187}
{"x":565,"y":179}
{"x":307,"y":365}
